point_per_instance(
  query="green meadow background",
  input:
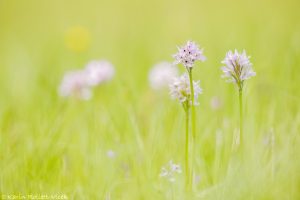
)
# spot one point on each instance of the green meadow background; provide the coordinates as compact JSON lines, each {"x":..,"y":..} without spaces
{"x":50,"y":145}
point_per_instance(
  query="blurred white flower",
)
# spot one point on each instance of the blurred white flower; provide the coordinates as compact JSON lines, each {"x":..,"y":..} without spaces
{"x":219,"y":137}
{"x":164,"y":172}
{"x":170,"y":171}
{"x":197,"y":179}
{"x":237,"y":67}
{"x":75,"y":84}
{"x":78,"y":83}
{"x":215,"y":103}
{"x":110,"y":154}
{"x":180,"y":89}
{"x":175,"y":167}
{"x":269,"y":138}
{"x":99,"y":72}
{"x":189,"y":54}
{"x":162,"y":74}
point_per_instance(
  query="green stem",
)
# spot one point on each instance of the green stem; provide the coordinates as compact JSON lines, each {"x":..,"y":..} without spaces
{"x":172,"y":191}
{"x":187,"y":168}
{"x":193,"y":123}
{"x":193,"y":106}
{"x":241,"y":115}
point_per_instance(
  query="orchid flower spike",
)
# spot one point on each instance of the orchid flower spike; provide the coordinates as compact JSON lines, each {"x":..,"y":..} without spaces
{"x":180,"y":89}
{"x":188,"y":54}
{"x":238,"y":68}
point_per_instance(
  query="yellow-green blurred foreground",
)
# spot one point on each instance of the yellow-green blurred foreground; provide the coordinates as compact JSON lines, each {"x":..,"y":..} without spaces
{"x":113,"y":146}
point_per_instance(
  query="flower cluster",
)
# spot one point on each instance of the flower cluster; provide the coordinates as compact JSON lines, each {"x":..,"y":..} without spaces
{"x":189,"y":54}
{"x":180,"y":89}
{"x":237,"y":67}
{"x":162,"y":74}
{"x":170,"y":170}
{"x":79,"y":83}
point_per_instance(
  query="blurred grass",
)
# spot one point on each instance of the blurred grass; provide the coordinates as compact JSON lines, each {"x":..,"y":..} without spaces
{"x":51,"y":145}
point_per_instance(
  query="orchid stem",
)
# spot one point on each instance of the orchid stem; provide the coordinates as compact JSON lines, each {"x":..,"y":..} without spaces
{"x":193,"y":123}
{"x":241,"y":116}
{"x":187,"y":168}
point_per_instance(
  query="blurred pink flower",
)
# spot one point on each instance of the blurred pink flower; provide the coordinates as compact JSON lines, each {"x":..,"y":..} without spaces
{"x":75,"y":83}
{"x":99,"y":72}
{"x":78,"y":83}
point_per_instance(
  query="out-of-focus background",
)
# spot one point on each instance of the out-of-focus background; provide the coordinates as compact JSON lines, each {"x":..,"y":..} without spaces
{"x":114,"y":145}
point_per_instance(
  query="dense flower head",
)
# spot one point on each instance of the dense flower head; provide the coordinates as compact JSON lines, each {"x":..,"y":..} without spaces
{"x":237,"y":67}
{"x":170,"y":170}
{"x":99,"y":71}
{"x":180,"y":89}
{"x":162,"y":74}
{"x":75,"y":83}
{"x":189,"y":54}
